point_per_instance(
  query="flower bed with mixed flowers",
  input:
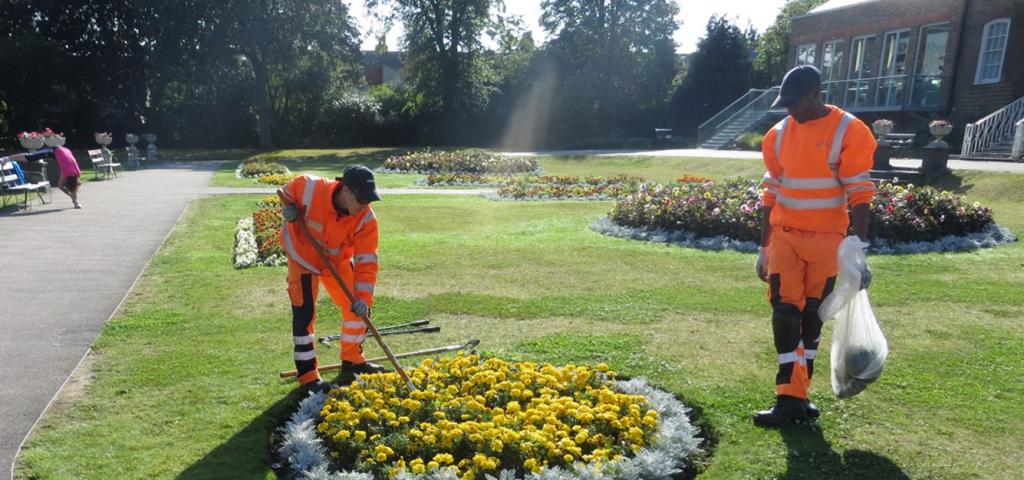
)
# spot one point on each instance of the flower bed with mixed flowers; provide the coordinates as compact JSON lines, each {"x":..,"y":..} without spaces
{"x":726,"y":215}
{"x":459,"y":161}
{"x":276,"y":179}
{"x":569,"y":188}
{"x":487,"y":418}
{"x":257,"y":238}
{"x":253,"y":168}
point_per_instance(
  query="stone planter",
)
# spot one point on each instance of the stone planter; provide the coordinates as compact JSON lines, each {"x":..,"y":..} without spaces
{"x":31,"y":143}
{"x":54,"y":141}
{"x":939,"y":131}
{"x":133,"y":151}
{"x":151,"y":153}
{"x":104,"y":139}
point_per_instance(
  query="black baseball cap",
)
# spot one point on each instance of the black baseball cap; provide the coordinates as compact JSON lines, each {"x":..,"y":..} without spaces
{"x":360,"y":180}
{"x":797,"y":83}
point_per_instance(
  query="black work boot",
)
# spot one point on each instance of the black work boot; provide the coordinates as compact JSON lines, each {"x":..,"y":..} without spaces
{"x":362,"y":368}
{"x":318,"y":386}
{"x":812,"y":409}
{"x":785,"y":410}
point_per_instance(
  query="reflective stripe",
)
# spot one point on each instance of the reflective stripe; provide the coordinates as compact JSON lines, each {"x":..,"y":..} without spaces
{"x":315,"y":225}
{"x":293,"y":254}
{"x":333,"y":251}
{"x":809,"y":183}
{"x":788,"y":357}
{"x":307,"y":193}
{"x":363,"y":286}
{"x":305,"y":355}
{"x":837,"y":141}
{"x":365,"y":258}
{"x":857,"y":188}
{"x":769,"y":179}
{"x":864,"y":177}
{"x":303,"y":340}
{"x":780,"y":128}
{"x":810,"y":203}
{"x":772,"y":190}
{"x":357,"y":324}
{"x":366,"y":218}
{"x":810,"y":354}
{"x":352,"y":338}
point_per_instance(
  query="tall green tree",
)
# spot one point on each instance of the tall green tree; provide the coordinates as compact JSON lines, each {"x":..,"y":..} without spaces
{"x":615,"y":61}
{"x":719,"y":72}
{"x":443,"y":41}
{"x":773,"y":45}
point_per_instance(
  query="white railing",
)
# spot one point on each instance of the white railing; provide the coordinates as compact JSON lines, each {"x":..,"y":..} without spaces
{"x":754,"y":100}
{"x":994,"y":128}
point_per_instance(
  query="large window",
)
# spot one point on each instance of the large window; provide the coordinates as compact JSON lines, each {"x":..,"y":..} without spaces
{"x":805,"y":54}
{"x":993,"y":49}
{"x":893,"y":68}
{"x":859,"y":87}
{"x":931,"y":66}
{"x":831,"y":70}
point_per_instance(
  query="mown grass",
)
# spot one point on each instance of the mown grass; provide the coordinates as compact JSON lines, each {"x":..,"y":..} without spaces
{"x":321,"y":162}
{"x":185,"y":376}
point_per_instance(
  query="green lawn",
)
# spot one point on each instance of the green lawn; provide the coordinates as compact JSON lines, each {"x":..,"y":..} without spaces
{"x":184,"y":379}
{"x":322,"y":162}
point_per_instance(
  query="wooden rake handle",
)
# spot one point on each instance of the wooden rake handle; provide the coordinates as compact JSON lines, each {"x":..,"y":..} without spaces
{"x":348,"y":293}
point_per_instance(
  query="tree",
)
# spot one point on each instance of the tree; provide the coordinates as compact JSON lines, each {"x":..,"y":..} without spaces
{"x":772,"y":47}
{"x":443,"y":44}
{"x":718,"y":72}
{"x":614,"y":61}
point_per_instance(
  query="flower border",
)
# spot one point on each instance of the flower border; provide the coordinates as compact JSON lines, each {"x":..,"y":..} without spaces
{"x":992,"y":236}
{"x":246,"y":251}
{"x":676,"y":447}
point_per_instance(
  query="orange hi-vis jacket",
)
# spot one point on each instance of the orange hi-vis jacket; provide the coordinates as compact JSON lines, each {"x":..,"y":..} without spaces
{"x":816,"y":169}
{"x":345,"y":238}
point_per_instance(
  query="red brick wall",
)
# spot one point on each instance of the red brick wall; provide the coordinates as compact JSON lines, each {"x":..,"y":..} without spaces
{"x":970,"y":101}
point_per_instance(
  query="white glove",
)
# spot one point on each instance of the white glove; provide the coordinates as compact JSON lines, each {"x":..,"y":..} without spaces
{"x":762,"y":264}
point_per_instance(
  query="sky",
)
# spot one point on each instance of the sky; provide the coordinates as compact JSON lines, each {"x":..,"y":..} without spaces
{"x":693,"y":17}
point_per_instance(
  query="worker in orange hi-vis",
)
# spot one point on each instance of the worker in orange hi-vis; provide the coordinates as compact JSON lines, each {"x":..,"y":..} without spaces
{"x":818,"y":160}
{"x":339,"y":216}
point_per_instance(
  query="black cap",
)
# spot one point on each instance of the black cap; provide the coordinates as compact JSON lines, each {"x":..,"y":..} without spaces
{"x":797,"y":83}
{"x":360,"y":180}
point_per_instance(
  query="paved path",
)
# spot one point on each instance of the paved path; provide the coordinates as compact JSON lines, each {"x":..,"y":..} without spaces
{"x":65,"y":272}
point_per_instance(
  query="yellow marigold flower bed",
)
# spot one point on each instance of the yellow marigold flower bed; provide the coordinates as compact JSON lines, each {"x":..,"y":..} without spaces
{"x":479,"y":416}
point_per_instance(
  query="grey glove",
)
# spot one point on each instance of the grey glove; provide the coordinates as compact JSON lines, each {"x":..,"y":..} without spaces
{"x":360,"y":308}
{"x":762,"y":264}
{"x":290,"y":212}
{"x":865,"y":277}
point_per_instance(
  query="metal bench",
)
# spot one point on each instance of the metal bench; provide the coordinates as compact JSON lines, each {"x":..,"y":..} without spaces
{"x":102,"y":166}
{"x":12,"y":186}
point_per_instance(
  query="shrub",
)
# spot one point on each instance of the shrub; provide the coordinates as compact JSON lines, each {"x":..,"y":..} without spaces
{"x":460,"y":161}
{"x":750,"y":141}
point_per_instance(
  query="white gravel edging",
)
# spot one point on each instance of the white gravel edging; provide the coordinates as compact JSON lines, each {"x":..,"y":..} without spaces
{"x":992,"y":236}
{"x":676,"y":446}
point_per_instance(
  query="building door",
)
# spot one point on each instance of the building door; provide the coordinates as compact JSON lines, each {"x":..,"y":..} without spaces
{"x":931,"y":67}
{"x":859,"y":87}
{"x":893,"y":70}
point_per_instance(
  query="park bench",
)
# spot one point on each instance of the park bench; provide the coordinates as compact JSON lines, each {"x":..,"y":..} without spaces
{"x":102,"y":166}
{"x":12,"y":186}
{"x":900,"y":140}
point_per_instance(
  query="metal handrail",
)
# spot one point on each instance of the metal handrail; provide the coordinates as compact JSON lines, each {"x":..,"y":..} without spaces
{"x":711,"y":127}
{"x":994,"y":127}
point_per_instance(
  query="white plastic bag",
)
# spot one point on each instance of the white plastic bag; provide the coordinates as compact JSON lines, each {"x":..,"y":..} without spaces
{"x":859,"y":348}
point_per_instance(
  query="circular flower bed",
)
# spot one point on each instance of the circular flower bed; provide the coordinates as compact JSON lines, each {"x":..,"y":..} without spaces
{"x":459,"y":161}
{"x":476,"y":418}
{"x":569,"y":188}
{"x":710,"y":215}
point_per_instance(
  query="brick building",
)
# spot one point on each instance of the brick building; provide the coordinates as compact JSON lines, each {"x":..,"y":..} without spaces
{"x":910,"y":61}
{"x":915,"y":60}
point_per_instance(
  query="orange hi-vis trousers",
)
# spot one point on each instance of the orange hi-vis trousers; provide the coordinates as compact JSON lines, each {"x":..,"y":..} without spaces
{"x":802,"y":268}
{"x":303,"y":289}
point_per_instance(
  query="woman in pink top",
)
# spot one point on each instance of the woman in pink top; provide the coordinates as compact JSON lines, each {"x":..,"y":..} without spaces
{"x":70,"y":174}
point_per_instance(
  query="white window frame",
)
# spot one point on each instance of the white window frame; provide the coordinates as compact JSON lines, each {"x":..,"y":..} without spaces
{"x":905,"y":32}
{"x":814,"y":50}
{"x":985,"y":33}
{"x":921,"y":40}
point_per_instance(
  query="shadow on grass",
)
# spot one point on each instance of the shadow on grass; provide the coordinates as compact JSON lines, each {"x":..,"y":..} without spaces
{"x":249,"y":453}
{"x":809,"y":455}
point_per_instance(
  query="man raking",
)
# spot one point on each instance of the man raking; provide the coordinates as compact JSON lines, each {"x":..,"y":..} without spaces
{"x":818,"y":160}
{"x":338,"y":214}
